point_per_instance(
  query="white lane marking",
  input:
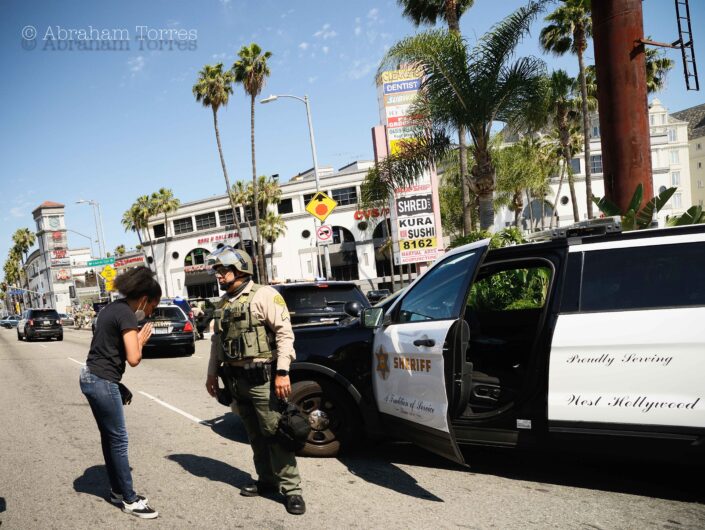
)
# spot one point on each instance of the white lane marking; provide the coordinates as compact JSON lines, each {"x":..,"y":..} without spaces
{"x":74,"y":360}
{"x":178,"y":411}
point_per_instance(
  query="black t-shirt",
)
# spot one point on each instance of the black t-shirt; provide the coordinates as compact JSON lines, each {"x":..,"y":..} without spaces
{"x":107,"y":356}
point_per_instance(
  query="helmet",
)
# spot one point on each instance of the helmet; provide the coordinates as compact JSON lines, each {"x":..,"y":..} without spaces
{"x":228,"y":256}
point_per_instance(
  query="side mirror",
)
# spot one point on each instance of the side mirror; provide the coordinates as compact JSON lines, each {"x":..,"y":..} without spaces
{"x":372,"y":317}
{"x":353,"y":308}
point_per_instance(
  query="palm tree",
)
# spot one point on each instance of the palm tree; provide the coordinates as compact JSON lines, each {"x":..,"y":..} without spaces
{"x":213,"y":90}
{"x":523,"y":166}
{"x":241,"y":194}
{"x":136,"y":219}
{"x":252,"y":71}
{"x":120,"y":250}
{"x":11,"y":268}
{"x":273,"y":227}
{"x":24,"y":239}
{"x":428,"y":12}
{"x":164,"y":202}
{"x":477,"y":87}
{"x":563,"y":111}
{"x":569,"y":28}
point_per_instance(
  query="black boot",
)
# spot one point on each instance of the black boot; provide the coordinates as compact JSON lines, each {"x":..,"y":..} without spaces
{"x":295,"y":505}
{"x":255,"y":489}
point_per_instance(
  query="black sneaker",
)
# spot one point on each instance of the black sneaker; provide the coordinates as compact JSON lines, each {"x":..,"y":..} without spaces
{"x":116,"y":498}
{"x":140,"y":509}
{"x":295,"y":505}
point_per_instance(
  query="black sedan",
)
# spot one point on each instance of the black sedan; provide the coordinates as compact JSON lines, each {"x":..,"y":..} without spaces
{"x":173,"y":331}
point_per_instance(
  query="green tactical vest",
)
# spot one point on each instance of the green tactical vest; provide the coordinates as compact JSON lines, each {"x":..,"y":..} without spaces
{"x":242,"y":334}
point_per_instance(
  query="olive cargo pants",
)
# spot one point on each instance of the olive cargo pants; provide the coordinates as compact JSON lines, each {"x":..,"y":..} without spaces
{"x":258,"y":408}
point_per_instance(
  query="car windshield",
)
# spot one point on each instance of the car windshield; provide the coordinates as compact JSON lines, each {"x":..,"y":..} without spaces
{"x":307,"y":298}
{"x":167,"y":313}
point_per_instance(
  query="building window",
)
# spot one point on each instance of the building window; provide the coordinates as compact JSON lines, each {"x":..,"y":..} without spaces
{"x":345,"y":196}
{"x":675,"y":157}
{"x":595,"y":131}
{"x":226,"y":217}
{"x":676,"y":178}
{"x":700,"y":165}
{"x":575,"y":165}
{"x":307,"y":198}
{"x":196,"y":257}
{"x":249,"y":214}
{"x":699,"y":147}
{"x":158,"y":230}
{"x":205,"y":221}
{"x":671,"y":135}
{"x":652,"y":119}
{"x":596,"y":163}
{"x":677,"y":201}
{"x":663,"y":119}
{"x":285,"y":206}
{"x":183,"y":226}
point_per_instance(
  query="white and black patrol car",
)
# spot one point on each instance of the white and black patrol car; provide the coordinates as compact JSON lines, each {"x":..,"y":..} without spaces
{"x":592,"y":334}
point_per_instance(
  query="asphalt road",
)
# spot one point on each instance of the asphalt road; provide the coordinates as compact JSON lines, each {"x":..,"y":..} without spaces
{"x":189,"y":455}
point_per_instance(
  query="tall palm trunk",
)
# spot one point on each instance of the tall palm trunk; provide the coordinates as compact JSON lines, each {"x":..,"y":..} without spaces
{"x":271,"y":260}
{"x":530,"y":206}
{"x":580,"y":42}
{"x":166,"y":236}
{"x":255,"y":196}
{"x":558,"y":194}
{"x":454,"y":27}
{"x":225,"y":174}
{"x":151,"y":246}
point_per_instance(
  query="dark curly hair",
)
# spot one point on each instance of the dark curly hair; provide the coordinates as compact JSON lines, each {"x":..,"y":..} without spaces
{"x":138,"y":282}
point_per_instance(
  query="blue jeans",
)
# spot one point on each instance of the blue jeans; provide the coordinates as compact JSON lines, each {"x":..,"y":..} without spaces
{"x":104,"y":398}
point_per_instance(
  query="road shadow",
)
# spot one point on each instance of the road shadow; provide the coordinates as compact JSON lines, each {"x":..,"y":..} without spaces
{"x":377,"y":466}
{"x":94,"y":481}
{"x":215,"y":470}
{"x":3,"y":507}
{"x":229,"y":426}
{"x":629,"y":473}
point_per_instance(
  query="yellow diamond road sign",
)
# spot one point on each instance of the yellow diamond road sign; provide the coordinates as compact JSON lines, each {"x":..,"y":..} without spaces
{"x":321,"y":206}
{"x":108,"y":273}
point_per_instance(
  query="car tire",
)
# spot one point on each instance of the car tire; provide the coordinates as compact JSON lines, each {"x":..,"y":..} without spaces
{"x":190,"y":350}
{"x":60,"y":337}
{"x":26,"y":336}
{"x":332,"y":414}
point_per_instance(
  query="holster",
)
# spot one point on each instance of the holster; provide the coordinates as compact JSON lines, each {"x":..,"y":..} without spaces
{"x":224,"y":395}
{"x":254,"y":373}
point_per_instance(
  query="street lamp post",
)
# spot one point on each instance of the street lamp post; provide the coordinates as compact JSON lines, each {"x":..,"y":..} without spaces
{"x":305,"y":101}
{"x":98,"y":224}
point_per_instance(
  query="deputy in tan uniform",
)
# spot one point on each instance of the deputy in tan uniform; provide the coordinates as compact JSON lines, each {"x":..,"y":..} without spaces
{"x":252,"y":344}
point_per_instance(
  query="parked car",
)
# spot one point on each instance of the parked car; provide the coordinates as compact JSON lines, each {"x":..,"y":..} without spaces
{"x":173,"y":331}
{"x":377,"y":295}
{"x":10,"y":321}
{"x":66,"y":319}
{"x":563,"y":342}
{"x":319,"y":302}
{"x":40,"y":323}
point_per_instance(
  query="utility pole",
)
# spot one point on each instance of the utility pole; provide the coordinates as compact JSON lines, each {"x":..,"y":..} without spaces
{"x":620,"y":61}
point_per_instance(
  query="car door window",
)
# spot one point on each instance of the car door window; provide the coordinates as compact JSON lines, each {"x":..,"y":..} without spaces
{"x":440,"y":293}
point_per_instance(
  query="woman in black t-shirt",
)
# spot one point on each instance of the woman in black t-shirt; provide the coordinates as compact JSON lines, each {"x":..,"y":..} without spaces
{"x":117,"y":340}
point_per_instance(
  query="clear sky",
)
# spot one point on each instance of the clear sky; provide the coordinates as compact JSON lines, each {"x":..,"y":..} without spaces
{"x":110,"y":125}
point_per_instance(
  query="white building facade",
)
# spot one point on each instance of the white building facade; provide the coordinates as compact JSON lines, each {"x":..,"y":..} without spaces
{"x":199,"y":227}
{"x":670,"y":165}
{"x":695,"y":116}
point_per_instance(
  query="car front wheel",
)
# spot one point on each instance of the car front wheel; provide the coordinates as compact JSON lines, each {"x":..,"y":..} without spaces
{"x":334,"y":420}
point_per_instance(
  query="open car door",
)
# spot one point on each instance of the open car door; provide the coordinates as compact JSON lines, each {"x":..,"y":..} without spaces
{"x":419,"y":354}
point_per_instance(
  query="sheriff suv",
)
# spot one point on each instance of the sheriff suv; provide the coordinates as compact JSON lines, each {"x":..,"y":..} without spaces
{"x":40,"y":324}
{"x":320,"y":302}
{"x":590,"y":336}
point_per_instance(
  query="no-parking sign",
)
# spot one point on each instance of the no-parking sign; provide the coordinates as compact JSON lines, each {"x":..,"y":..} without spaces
{"x":324,"y":234}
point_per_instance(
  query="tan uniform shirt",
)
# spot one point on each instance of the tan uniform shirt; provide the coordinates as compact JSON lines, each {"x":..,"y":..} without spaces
{"x":269,"y":307}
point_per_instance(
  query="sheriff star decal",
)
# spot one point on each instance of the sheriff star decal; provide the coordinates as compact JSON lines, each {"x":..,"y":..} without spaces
{"x":382,"y":363}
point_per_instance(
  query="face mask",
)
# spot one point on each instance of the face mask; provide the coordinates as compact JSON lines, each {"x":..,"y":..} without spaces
{"x":140,"y":313}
